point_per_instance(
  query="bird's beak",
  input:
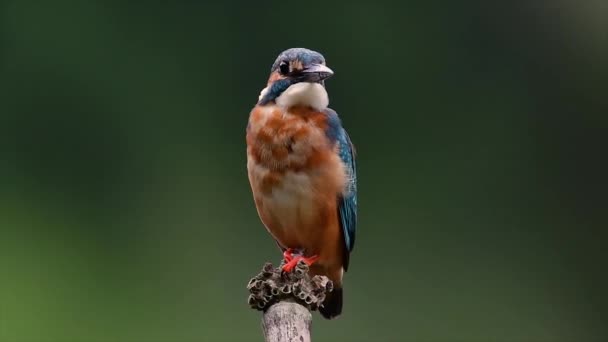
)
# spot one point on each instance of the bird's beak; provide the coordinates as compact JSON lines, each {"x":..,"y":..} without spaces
{"x":315,"y":73}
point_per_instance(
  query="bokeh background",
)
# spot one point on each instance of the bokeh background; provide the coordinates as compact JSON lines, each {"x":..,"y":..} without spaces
{"x":481,"y":129}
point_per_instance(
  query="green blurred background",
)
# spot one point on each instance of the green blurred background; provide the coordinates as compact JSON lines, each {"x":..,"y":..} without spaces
{"x":481,"y":129}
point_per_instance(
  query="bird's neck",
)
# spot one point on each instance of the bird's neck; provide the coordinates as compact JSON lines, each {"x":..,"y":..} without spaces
{"x":313,"y":95}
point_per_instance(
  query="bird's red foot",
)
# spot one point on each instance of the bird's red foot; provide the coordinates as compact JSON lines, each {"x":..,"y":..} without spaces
{"x":288,"y":255}
{"x":291,"y":264}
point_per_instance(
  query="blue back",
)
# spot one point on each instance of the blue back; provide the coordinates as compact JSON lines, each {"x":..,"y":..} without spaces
{"x":347,"y":203}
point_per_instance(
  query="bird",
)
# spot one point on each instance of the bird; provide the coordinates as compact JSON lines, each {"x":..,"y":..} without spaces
{"x":302,"y":172}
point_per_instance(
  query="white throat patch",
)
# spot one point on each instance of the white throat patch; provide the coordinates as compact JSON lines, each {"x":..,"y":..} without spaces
{"x":305,"y":94}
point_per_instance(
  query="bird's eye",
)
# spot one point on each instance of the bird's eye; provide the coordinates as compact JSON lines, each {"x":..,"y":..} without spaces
{"x":284,"y":68}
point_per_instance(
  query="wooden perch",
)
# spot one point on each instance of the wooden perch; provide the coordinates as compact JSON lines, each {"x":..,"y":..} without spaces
{"x":287,"y":300}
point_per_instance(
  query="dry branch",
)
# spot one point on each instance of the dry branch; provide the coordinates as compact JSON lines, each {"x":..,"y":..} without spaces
{"x":287,"y":300}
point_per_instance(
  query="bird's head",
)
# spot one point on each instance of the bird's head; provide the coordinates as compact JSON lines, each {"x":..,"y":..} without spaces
{"x":297,"y":77}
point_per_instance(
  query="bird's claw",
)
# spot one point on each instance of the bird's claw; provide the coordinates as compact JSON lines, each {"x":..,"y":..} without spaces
{"x":293,"y":262}
{"x":288,"y":255}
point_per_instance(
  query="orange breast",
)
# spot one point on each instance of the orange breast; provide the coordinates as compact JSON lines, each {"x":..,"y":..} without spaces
{"x":296,"y":176}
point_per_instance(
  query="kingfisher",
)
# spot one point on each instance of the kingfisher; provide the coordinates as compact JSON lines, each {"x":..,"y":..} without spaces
{"x":301,"y":168}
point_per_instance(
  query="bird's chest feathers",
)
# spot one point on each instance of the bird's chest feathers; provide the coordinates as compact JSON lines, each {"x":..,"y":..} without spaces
{"x":283,"y":140}
{"x":290,"y":160}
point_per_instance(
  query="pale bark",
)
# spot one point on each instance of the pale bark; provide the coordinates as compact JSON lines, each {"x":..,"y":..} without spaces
{"x":287,"y":322}
{"x":287,"y":300}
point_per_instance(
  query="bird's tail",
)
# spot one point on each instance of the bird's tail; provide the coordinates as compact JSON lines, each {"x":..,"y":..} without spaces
{"x":332,"y":306}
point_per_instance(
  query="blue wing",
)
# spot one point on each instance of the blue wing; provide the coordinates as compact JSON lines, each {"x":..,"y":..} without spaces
{"x":347,"y":201}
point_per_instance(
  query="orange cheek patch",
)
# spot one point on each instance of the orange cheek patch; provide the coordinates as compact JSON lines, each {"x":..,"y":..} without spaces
{"x":296,"y":65}
{"x":274,"y":77}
